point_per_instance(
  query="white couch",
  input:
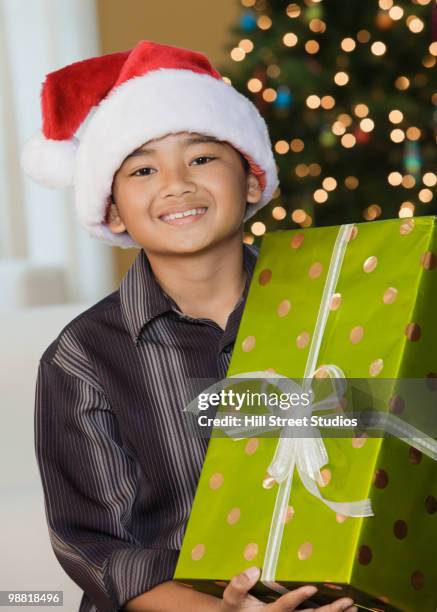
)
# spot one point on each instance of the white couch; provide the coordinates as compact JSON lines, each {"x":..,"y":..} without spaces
{"x":27,"y":561}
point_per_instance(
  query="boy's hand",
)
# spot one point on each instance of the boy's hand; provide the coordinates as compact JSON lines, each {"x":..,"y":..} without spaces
{"x":236,"y":597}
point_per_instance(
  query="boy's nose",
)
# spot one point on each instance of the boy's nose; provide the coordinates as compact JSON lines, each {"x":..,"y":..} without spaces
{"x":176,"y":181}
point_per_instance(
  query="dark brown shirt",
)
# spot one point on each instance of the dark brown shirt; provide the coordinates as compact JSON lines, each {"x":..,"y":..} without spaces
{"x":118,"y":464}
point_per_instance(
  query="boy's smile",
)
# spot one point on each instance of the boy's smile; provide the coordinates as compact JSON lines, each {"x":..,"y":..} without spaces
{"x":181,"y":194}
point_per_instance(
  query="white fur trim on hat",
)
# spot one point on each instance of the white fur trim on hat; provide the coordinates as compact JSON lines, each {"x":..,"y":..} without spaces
{"x":162,"y":102}
{"x":49,"y":162}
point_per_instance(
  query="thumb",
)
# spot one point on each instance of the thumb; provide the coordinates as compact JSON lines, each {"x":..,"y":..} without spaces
{"x":237,"y":590}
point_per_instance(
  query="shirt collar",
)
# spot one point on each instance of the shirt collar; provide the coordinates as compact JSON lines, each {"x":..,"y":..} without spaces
{"x":142,"y":297}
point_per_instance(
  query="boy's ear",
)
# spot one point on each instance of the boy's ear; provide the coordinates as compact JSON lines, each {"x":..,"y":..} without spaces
{"x":114,"y":221}
{"x":254,"y":192}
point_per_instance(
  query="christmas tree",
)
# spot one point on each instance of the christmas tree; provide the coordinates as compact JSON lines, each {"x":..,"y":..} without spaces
{"x":349,"y":92}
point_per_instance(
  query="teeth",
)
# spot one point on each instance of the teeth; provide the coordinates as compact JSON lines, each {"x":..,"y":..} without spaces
{"x":187,"y":213}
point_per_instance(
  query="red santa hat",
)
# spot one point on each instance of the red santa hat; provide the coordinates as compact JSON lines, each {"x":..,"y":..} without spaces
{"x":119,"y":101}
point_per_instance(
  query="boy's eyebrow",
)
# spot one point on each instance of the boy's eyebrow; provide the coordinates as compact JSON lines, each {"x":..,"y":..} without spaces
{"x":188,"y":141}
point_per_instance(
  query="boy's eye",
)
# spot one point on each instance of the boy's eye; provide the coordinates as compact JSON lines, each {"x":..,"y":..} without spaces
{"x":203,"y":158}
{"x":142,"y":172}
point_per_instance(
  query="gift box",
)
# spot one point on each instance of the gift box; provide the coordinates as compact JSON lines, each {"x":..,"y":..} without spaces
{"x":363,"y":298}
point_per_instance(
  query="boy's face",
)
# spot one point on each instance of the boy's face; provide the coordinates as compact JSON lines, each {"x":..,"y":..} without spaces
{"x":177,"y":173}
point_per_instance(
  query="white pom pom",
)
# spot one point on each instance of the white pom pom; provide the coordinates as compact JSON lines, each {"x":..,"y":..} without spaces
{"x":49,"y":162}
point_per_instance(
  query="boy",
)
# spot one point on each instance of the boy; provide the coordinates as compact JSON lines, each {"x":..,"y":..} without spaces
{"x":172,"y":160}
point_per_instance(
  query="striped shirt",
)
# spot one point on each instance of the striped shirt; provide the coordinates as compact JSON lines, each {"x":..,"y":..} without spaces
{"x":118,"y":464}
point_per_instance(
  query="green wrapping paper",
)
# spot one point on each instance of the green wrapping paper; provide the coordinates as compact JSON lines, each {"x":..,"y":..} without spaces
{"x":381,"y":323}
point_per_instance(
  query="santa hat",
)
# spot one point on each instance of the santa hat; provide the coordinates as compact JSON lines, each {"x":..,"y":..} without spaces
{"x":118,"y":102}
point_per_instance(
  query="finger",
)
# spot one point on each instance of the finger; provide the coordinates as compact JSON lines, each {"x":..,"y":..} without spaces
{"x":236,"y":591}
{"x":345,"y":603}
{"x":294,"y":598}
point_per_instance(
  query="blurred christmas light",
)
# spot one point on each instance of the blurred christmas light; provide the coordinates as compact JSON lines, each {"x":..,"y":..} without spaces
{"x":227,"y":80}
{"x":351,"y":182}
{"x":338,"y":128}
{"x":238,"y":54}
{"x":264,"y":22}
{"x":415,"y":24}
{"x":282,"y":147}
{"x":312,"y":47}
{"x":269,"y":95}
{"x":273,"y":71}
{"x":396,"y":13}
{"x":361,"y":110}
{"x":254,"y":85}
{"x":423,"y":2}
{"x":248,"y":3}
{"x":314,"y":169}
{"x":248,"y":239}
{"x":429,"y":61}
{"x":372,"y":212}
{"x":284,"y":98}
{"x":320,"y":196}
{"x":395,"y":178}
{"x":348,"y":44}
{"x":258,"y":228}
{"x":341,"y":78}
{"x":378,"y":48}
{"x":395,"y":116}
{"x":248,"y":21}
{"x":298,"y":215}
{"x":363,"y":36}
{"x":367,"y":125}
{"x":329,"y":183}
{"x":433,"y":48}
{"x":425,"y":195}
{"x":313,"y":101}
{"x":397,"y":135}
{"x":246,"y":45}
{"x":429,"y":179}
{"x":317,"y":26}
{"x":290,"y":39}
{"x":345,"y":119}
{"x":279,"y":213}
{"x":348,"y":141}
{"x":402,"y":83}
{"x":327,"y":102}
{"x":297,"y":145}
{"x":307,"y":221}
{"x":406,"y":210}
{"x":413,"y":133}
{"x":408,"y":181}
{"x":385,"y":5}
{"x":293,"y":11}
{"x":302,"y":170}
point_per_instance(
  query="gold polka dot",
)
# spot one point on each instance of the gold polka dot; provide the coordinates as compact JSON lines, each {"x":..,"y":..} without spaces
{"x":264,"y":276}
{"x":198,"y":552}
{"x":321,"y":372}
{"x":251,"y":551}
{"x":334,"y":587}
{"x":428,"y":260}
{"x":370,"y":264}
{"x":384,"y":599}
{"x":251,"y":446}
{"x":336,"y":301}
{"x":302,"y":340}
{"x":248,"y":343}
{"x":413,"y":332}
{"x":326,"y":477}
{"x":284,"y":308}
{"x":396,"y":404}
{"x":269,"y":370}
{"x":417,"y":580}
{"x":216,"y":481}
{"x":390,"y":295}
{"x":364,"y":555}
{"x":353,"y":233}
{"x":234,"y":516}
{"x":288,"y":514}
{"x":297,"y":241}
{"x":340,"y":518}
{"x":305,"y":551}
{"x":356,"y":334}
{"x":380,"y":479}
{"x":376,"y":367}
{"x":315,"y":270}
{"x":407,"y":226}
{"x":359,"y":440}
